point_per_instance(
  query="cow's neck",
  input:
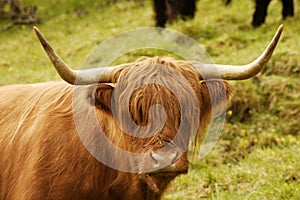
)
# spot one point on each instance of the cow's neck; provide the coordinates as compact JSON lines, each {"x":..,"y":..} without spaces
{"x":155,"y":185}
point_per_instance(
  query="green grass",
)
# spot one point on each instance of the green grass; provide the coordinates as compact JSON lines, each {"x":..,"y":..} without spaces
{"x":257,"y":156}
{"x":271,"y":173}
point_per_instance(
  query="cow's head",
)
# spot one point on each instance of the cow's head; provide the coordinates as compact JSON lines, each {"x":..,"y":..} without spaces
{"x":158,"y":104}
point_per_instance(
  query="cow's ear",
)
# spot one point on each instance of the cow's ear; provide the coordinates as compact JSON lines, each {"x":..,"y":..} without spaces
{"x":100,"y":96}
{"x":216,"y":90}
{"x":216,"y":93}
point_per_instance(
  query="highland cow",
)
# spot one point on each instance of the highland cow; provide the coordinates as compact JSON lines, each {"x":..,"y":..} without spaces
{"x":43,"y":156}
{"x":261,"y":8}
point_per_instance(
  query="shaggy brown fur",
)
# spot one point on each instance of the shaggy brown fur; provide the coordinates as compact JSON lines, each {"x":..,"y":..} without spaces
{"x":42,"y":156}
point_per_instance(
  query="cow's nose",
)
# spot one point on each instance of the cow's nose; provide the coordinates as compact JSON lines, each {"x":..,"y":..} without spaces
{"x":163,"y":160}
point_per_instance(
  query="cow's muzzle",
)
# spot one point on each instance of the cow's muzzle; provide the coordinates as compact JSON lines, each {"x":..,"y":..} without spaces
{"x":171,"y":162}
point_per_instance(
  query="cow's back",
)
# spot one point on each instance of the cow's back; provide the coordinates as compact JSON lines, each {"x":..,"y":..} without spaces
{"x":32,"y":122}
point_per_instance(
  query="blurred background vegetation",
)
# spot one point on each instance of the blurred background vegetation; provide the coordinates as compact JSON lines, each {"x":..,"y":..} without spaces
{"x":258,"y":154}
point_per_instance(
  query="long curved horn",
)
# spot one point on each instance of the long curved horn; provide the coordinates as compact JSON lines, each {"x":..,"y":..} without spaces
{"x":232,"y":72}
{"x":75,"y":77}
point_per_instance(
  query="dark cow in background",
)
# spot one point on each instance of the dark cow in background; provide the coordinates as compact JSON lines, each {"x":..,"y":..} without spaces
{"x":170,"y":10}
{"x":261,"y":8}
{"x":42,"y":155}
{"x":260,"y":13}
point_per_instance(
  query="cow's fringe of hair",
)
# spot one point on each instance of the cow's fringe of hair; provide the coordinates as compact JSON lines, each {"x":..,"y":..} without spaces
{"x":212,"y":94}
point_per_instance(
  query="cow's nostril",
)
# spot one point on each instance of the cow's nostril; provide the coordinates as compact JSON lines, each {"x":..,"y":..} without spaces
{"x":155,"y":157}
{"x":173,"y":156}
{"x":163,"y":160}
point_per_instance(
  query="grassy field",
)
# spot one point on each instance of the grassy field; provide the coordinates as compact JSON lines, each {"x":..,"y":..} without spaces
{"x":258,"y":154}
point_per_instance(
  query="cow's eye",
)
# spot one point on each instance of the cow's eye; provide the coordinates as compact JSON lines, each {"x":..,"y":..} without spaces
{"x":164,"y":138}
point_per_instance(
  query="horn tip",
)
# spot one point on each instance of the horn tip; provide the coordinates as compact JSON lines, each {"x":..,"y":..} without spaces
{"x":280,"y":28}
{"x":37,"y":31}
{"x":277,"y":35}
{"x":42,"y":40}
{"x":35,"y":28}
